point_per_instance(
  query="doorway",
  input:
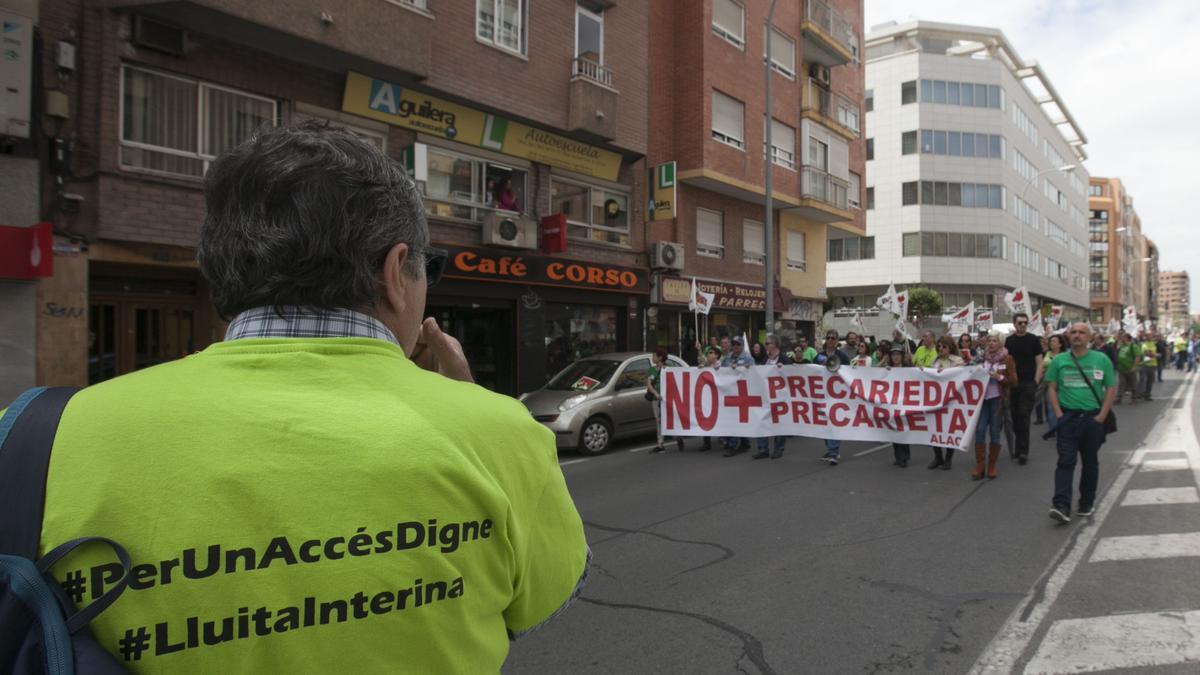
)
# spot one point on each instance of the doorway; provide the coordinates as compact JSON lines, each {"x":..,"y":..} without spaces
{"x":128,"y":335}
{"x":486,"y":335}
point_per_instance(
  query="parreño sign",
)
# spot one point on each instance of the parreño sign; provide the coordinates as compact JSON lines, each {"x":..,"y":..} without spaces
{"x":726,"y":295}
{"x":908,"y":405}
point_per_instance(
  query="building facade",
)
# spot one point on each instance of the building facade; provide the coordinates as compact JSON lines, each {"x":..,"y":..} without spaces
{"x":708,"y":123}
{"x":524,"y":124}
{"x":975,"y":177}
{"x":1122,"y":261}
{"x":1174,"y":301}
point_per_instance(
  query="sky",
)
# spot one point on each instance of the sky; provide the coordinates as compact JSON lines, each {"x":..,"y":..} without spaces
{"x":1130,"y":75}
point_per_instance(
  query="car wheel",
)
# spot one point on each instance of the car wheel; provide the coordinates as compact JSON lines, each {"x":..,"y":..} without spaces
{"x":596,"y":436}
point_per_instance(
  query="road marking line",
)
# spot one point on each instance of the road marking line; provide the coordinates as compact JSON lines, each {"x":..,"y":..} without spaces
{"x":874,"y":449}
{"x":1180,"y":464}
{"x":1183,"y":495}
{"x":1118,"y":641}
{"x":569,"y":462}
{"x":1013,"y":638}
{"x":1149,"y":546}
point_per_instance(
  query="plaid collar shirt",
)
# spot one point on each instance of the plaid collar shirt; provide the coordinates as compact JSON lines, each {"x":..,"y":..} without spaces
{"x":303,"y":322}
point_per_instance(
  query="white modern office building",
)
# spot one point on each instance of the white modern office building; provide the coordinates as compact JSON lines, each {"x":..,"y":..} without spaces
{"x":975,"y":177}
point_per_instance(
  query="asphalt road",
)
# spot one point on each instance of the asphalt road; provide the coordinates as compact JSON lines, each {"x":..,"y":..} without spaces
{"x":711,"y":565}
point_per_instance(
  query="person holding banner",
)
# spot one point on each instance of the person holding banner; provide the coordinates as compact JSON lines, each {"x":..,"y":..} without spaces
{"x":947,"y":358}
{"x":658,"y":361}
{"x":832,"y":358}
{"x":898,"y":358}
{"x":863,"y":356}
{"x":1002,"y":375}
{"x":1082,"y":389}
{"x":803,"y":353}
{"x":927,"y":353}
{"x":736,"y":356}
{"x":967,"y":349}
{"x":712,"y":360}
{"x":774,"y":357}
{"x":1026,"y":350}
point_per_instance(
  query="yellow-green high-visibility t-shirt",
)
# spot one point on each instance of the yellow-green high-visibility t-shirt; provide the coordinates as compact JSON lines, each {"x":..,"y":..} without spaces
{"x":311,"y":505}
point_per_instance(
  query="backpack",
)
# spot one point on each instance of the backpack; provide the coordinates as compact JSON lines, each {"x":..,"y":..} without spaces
{"x":41,"y":630}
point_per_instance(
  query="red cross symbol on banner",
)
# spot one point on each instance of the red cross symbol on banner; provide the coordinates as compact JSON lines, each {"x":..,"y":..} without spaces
{"x":743,"y":402}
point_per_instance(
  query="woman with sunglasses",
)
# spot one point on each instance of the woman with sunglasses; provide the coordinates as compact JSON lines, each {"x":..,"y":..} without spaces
{"x":862,"y":355}
{"x":968,"y":350}
{"x":947,"y":357}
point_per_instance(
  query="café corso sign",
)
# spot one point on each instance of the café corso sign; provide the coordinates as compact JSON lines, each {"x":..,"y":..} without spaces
{"x":406,"y":107}
{"x":486,"y":264}
{"x":677,"y":291}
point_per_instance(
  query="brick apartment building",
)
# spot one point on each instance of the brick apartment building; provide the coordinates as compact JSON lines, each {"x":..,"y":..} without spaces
{"x":1174,"y":300}
{"x":1123,"y":262}
{"x":547,"y":98}
{"x":707,"y":117}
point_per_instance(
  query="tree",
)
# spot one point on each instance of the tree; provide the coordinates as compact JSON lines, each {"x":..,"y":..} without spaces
{"x":924,"y":302}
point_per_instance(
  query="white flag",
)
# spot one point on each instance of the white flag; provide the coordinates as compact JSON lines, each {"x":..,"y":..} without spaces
{"x":984,"y":320}
{"x":901,"y":304}
{"x":1114,"y":326}
{"x":700,"y":301}
{"x":858,"y":324}
{"x":1037,"y":325}
{"x":887,"y":301}
{"x":1018,"y":301}
{"x":965,"y":315}
{"x":903,"y":328}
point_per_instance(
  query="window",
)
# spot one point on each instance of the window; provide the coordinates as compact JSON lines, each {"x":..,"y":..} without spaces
{"x":908,"y":143}
{"x":176,"y":126}
{"x":783,"y":53}
{"x":1095,"y":190}
{"x":952,"y":95}
{"x":968,"y":145}
{"x":855,"y":190}
{"x":851,"y":248}
{"x":968,"y":195}
{"x":501,"y":23}
{"x":939,"y":91}
{"x":908,"y":92}
{"x":869,"y":100}
{"x":464,"y":187}
{"x":818,"y":154}
{"x":937,"y":142}
{"x":589,"y":35}
{"x":593,"y":213}
{"x":870,"y":198}
{"x":926,"y":141}
{"x":952,"y":245}
{"x":796,"y":257}
{"x":954,"y":144}
{"x":727,"y":19}
{"x":710,"y":233}
{"x":926,"y":91}
{"x":753,"y":246}
{"x":783,"y":144}
{"x":870,"y":149}
{"x":727,"y":120}
{"x":908,"y":193}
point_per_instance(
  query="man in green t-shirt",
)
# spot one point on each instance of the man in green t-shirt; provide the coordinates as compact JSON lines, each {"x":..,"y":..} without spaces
{"x":1081,"y":391}
{"x":325,"y":490}
{"x":927,"y":353}
{"x":1149,"y":363}
{"x":1128,"y":355}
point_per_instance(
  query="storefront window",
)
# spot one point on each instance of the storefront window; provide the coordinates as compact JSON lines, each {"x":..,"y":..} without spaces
{"x":463,"y":187}
{"x":576,"y":332}
{"x":593,"y":213}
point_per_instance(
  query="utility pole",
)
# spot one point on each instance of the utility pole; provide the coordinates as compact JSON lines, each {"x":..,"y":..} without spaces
{"x":768,"y":160}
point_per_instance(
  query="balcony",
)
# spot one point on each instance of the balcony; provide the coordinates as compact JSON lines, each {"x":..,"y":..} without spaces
{"x":592,"y":108}
{"x":823,"y":197}
{"x":382,"y":39}
{"x":832,"y":110}
{"x":832,"y":40}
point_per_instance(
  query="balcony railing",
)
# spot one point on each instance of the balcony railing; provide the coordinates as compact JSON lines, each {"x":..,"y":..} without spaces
{"x":829,"y":20}
{"x":589,"y":69}
{"x":820,"y":185}
{"x":831,"y":106}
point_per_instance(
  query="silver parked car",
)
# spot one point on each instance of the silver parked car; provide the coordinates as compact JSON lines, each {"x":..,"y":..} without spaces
{"x":597,"y":400}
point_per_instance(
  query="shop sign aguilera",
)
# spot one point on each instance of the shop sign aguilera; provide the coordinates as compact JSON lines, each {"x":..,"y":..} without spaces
{"x":726,"y":295}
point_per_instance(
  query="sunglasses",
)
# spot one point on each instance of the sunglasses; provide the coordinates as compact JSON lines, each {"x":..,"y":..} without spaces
{"x":1022,"y":323}
{"x":435,"y":264}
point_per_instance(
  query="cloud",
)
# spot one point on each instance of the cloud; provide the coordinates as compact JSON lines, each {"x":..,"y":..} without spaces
{"x":1128,"y":73}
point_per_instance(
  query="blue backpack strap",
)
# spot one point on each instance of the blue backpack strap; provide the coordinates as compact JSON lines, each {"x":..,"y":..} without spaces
{"x":27,"y":433}
{"x":84,"y":616}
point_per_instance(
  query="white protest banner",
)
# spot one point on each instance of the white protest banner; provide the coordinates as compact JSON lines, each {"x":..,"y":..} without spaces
{"x":902,"y":405}
{"x":984,"y":320}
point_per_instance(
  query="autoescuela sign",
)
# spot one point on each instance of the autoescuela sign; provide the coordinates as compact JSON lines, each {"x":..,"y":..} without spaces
{"x":477,"y":264}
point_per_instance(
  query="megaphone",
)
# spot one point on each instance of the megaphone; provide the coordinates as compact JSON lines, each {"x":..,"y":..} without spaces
{"x":832,"y":364}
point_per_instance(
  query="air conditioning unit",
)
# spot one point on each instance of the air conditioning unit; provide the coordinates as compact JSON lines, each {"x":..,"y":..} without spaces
{"x":506,"y":228}
{"x":666,"y":255}
{"x":819,"y":73}
{"x":157,"y":35}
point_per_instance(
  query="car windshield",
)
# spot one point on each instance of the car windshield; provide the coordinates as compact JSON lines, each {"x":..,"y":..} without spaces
{"x":584,"y":375}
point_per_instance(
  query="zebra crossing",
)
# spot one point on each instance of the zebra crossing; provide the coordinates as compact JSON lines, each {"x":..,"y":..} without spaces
{"x":1158,"y":489}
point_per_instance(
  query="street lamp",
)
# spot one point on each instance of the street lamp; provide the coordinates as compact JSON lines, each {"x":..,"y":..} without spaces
{"x":1021,"y":238}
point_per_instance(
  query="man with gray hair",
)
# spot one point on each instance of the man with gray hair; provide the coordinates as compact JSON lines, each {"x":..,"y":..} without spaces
{"x":328,"y":478}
